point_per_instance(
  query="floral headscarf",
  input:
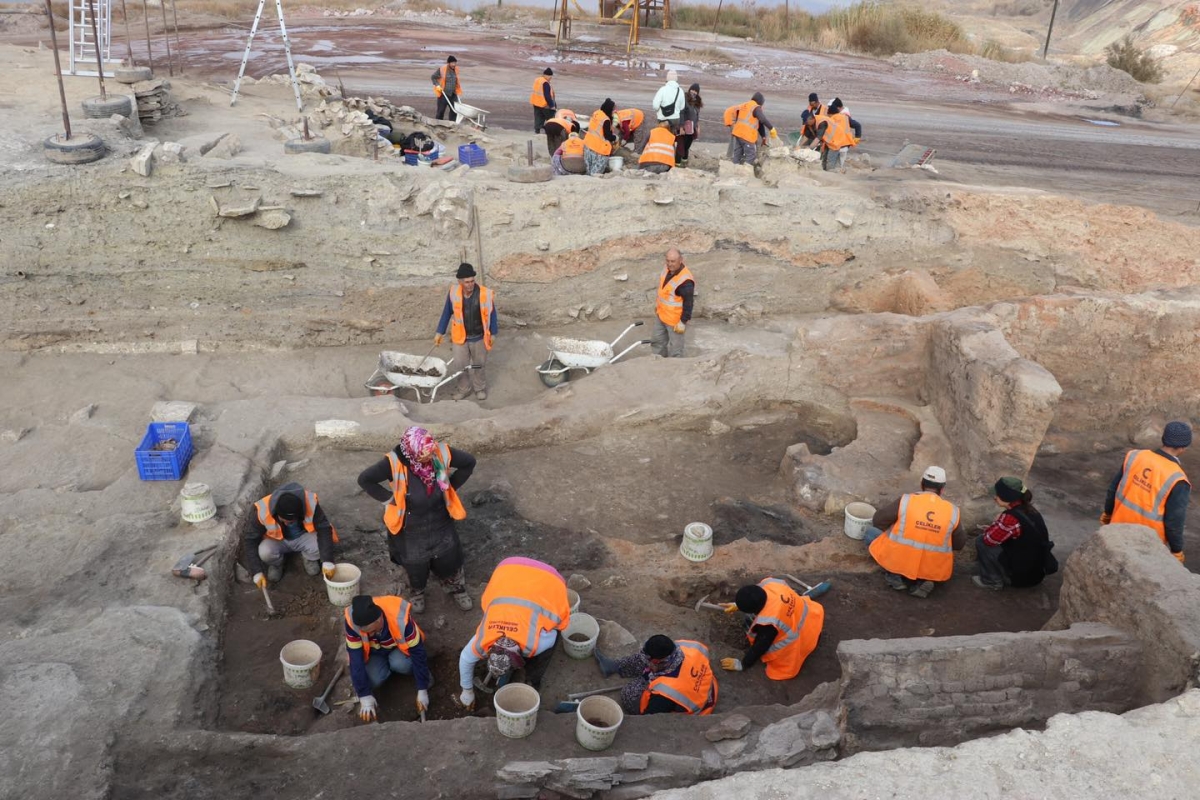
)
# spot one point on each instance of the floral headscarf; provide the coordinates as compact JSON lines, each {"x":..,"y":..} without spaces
{"x":414,"y":443}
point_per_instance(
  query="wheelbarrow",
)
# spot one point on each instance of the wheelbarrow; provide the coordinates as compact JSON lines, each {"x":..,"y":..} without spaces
{"x":424,"y":375}
{"x":585,"y":354}
{"x":476,"y":117}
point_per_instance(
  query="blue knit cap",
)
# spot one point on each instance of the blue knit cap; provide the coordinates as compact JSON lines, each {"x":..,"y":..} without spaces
{"x":1177,"y":434}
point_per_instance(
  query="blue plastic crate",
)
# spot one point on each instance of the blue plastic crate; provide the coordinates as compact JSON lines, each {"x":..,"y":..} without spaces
{"x":164,"y":465}
{"x":472,"y":155}
{"x":410,"y":158}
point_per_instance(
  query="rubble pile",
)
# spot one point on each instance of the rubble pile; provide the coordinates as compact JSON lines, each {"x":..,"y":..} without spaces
{"x":154,"y":101}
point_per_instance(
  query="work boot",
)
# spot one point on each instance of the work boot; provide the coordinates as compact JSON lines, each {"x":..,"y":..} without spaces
{"x":461,"y":393}
{"x":481,"y":394}
{"x":464,"y":601}
{"x":982,"y":584}
{"x":922,"y":589}
{"x":608,"y":666}
{"x":275,"y":573}
{"x":312,"y":567}
{"x":897,"y":582}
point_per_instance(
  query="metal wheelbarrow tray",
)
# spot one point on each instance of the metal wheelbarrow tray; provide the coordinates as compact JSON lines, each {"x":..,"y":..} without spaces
{"x":389,"y":375}
{"x":567,"y":354}
{"x":463,"y":112}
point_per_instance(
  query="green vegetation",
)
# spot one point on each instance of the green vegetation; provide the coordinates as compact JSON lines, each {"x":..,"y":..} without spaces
{"x":1128,"y":57}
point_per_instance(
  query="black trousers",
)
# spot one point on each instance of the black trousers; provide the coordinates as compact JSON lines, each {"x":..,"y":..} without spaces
{"x":443,"y":108}
{"x":683,"y":145}
{"x":540,"y":115}
{"x":555,"y":136}
{"x":535,"y":668}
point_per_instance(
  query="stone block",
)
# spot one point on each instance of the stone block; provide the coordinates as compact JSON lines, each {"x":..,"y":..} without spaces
{"x":336,"y":429}
{"x":143,"y":162}
{"x":730,"y":747}
{"x":578,"y":582}
{"x":730,"y":726}
{"x":634,"y":761}
{"x":614,"y":641}
{"x":824,"y":732}
{"x":172,"y":411}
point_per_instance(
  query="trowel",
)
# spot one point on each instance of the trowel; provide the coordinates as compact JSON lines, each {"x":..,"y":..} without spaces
{"x":322,"y":703}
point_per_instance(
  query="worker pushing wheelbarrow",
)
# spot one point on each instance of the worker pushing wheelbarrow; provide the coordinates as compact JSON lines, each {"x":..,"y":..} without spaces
{"x":567,"y":354}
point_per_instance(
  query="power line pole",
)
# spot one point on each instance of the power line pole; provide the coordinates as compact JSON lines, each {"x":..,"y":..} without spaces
{"x":1053,"y":14}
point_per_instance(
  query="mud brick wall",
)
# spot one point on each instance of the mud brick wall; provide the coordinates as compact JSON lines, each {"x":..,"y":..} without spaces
{"x":943,"y":691}
{"x":994,"y":405}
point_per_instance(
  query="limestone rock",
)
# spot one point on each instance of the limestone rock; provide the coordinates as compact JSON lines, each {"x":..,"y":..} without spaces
{"x":604,"y":312}
{"x":824,"y":732}
{"x":844,"y":217}
{"x":143,"y":162}
{"x":82,"y":415}
{"x":730,"y":747}
{"x":171,"y":153}
{"x":578,"y":582}
{"x":727,"y":169}
{"x":336,"y":429}
{"x":273,"y":220}
{"x":235,"y":212}
{"x":384,"y":404}
{"x":614,"y":641}
{"x":13,"y":435}
{"x":227,"y":146}
{"x":172,"y":411}
{"x":731,"y":726}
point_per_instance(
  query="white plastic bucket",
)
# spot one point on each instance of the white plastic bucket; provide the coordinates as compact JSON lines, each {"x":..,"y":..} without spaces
{"x":697,"y":543}
{"x":858,"y":519}
{"x":301,"y":661}
{"x":342,"y":587}
{"x":585,"y":627}
{"x":196,"y":503}
{"x":616,"y":163}
{"x":516,"y":709}
{"x":597,"y":721}
{"x":573,"y":600}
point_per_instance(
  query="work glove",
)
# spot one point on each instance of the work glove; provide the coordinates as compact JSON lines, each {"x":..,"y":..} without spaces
{"x":327,"y":569}
{"x":467,"y":699}
{"x":422,"y":701}
{"x":680,"y":327}
{"x":774,"y":133}
{"x":729,"y":607}
{"x":437,"y":91}
{"x":367,"y":706}
{"x":731,"y":664}
{"x":437,"y":339}
{"x":260,"y":580}
{"x":1105,"y":519}
{"x":1179,"y":556}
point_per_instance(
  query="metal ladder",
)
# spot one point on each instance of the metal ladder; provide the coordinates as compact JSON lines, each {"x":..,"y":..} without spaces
{"x":287,"y":48}
{"x":83,"y":48}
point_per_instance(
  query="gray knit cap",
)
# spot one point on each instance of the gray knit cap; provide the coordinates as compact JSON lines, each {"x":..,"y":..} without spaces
{"x":1177,"y":434}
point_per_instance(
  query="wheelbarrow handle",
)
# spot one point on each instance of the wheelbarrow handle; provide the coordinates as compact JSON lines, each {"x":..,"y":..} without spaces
{"x":613,"y":344}
{"x":638,"y":343}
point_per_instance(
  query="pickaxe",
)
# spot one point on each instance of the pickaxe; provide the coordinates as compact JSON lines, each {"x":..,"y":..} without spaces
{"x":703,"y":603}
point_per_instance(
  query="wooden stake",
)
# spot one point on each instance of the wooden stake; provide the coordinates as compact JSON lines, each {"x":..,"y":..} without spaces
{"x":128,"y":37}
{"x":96,"y":41}
{"x":1053,"y":13}
{"x":149,"y":46}
{"x":62,"y":93}
{"x":167,"y":38}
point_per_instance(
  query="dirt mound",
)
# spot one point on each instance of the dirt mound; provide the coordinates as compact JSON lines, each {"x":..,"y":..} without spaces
{"x":1088,"y":82}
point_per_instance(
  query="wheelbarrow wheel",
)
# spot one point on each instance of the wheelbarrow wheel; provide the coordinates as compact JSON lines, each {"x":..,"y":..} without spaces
{"x":553,"y":379}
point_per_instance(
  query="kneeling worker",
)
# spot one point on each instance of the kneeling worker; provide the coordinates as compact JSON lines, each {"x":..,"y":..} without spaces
{"x":923,"y":531}
{"x":659,"y":154}
{"x":669,"y":678}
{"x":289,"y":520}
{"x":524,"y":606}
{"x":384,"y":624}
{"x":783,"y":628}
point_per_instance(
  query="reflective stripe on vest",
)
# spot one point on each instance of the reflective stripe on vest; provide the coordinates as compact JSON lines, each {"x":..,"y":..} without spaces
{"x":394,"y":512}
{"x":396,"y":615}
{"x":268,"y":521}
{"x":670,"y":305}
{"x":897,"y":533}
{"x":837,"y":132}
{"x":457,"y":79}
{"x":790,"y":634}
{"x":535,"y":632}
{"x":538,"y":96}
{"x":662,"y":684}
{"x":594,"y":138}
{"x":745,"y":126}
{"x":458,"y":328}
{"x":660,"y":149}
{"x":1137,"y":487}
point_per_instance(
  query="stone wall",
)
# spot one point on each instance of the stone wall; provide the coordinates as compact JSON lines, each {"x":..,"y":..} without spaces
{"x":1123,"y":576}
{"x":946,"y":690}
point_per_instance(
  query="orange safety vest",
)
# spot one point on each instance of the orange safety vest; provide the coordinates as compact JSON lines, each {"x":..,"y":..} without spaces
{"x":634,"y":116}
{"x":1147,"y":479}
{"x":573,"y":147}
{"x":457,"y":82}
{"x":562,"y":120}
{"x":670,"y":305}
{"x":660,"y":149}
{"x":694,"y":688}
{"x":594,"y":139}
{"x":838,"y":133}
{"x":799,"y":621}
{"x":394,"y":512}
{"x":458,"y":329}
{"x":918,"y":546}
{"x":274,"y":529}
{"x":745,"y":126}
{"x":538,"y":96}
{"x":815,"y":115}
{"x":523,"y":598}
{"x":396,"y":611}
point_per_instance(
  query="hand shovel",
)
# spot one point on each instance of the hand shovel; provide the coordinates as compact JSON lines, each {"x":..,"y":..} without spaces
{"x":321,"y":703}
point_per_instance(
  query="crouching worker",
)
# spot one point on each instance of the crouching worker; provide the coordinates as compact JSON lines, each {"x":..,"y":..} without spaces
{"x":783,"y":627}
{"x":669,"y":677}
{"x":289,"y":520}
{"x":1015,"y":549}
{"x":524,"y":606}
{"x":384,"y":625}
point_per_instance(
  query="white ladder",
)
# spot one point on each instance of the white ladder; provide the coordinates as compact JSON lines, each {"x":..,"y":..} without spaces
{"x":83,"y":47}
{"x":287,"y":48}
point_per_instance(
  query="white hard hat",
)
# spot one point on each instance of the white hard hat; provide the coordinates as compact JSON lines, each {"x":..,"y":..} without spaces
{"x":934,"y":475}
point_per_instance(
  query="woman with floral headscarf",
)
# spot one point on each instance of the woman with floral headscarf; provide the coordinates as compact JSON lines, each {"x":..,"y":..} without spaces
{"x":418,"y":482}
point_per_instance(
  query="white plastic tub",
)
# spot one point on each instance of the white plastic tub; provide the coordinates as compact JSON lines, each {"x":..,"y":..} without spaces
{"x":597,"y":720}
{"x":573,"y":600}
{"x":196,"y":503}
{"x":301,"y":661}
{"x":587,"y":629}
{"x":516,"y":709}
{"x":697,"y":543}
{"x":858,"y":519}
{"x":343,"y":586}
{"x":616,"y":163}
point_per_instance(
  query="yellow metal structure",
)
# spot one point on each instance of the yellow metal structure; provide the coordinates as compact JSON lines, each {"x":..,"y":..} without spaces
{"x":634,"y":13}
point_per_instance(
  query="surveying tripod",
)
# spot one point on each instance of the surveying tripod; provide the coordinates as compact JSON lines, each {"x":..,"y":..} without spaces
{"x":287,"y":48}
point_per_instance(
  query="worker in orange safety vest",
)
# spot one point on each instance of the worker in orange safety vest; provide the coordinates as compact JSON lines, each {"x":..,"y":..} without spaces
{"x":470,"y":314}
{"x":1151,"y":489}
{"x":386,"y":626}
{"x":446,"y":84}
{"x":837,"y":133}
{"x":782,"y":626}
{"x":750,"y":126}
{"x":673,"y":306}
{"x":542,"y":99}
{"x":669,"y":677}
{"x":289,"y":520}
{"x":658,"y":156}
{"x":922,"y":532}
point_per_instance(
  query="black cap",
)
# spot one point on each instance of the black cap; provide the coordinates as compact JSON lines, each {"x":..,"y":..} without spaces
{"x":547,"y":71}
{"x":465,"y":270}
{"x":288,"y":505}
{"x":836,"y":104}
{"x":750,"y":599}
{"x":695,"y":87}
{"x":658,"y":646}
{"x":758,"y":98}
{"x":1009,"y":489}
{"x":451,"y":60}
{"x":812,"y":98}
{"x":363,"y":610}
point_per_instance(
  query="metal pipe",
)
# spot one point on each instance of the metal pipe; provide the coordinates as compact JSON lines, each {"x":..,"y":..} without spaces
{"x":167,"y":38}
{"x":91,"y":6}
{"x":178,"y":48}
{"x":149,"y":46}
{"x":62,"y":92}
{"x":128,"y":37}
{"x":1053,"y":14}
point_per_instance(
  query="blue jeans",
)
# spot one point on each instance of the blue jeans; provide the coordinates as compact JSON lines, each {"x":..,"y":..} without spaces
{"x":379,"y":668}
{"x":871,"y":535}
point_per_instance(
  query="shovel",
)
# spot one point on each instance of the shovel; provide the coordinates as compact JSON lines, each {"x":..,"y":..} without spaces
{"x":190,"y":567}
{"x":270,"y":606}
{"x":811,"y":591}
{"x":320,"y":703}
{"x":426,"y":358}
